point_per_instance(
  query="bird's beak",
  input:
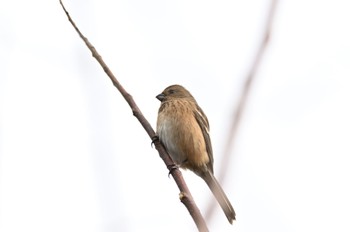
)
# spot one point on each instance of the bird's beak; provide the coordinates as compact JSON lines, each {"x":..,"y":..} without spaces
{"x":160,"y":97}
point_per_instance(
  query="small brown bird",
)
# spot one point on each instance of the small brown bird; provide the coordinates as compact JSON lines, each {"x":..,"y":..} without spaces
{"x":183,"y":129}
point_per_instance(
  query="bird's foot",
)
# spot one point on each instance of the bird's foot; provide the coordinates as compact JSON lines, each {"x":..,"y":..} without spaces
{"x":154,"y":139}
{"x":171,"y":168}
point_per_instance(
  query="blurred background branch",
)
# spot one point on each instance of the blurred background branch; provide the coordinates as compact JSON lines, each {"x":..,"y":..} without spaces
{"x":238,"y":110}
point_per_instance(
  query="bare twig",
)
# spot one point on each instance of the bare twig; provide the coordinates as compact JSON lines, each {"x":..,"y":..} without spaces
{"x":239,"y":110}
{"x":185,"y":195}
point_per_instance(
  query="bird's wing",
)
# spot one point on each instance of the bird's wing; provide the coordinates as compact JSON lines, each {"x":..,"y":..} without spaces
{"x":203,"y":123}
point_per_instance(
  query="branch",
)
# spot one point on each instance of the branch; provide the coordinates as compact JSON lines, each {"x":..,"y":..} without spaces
{"x":239,"y":110}
{"x":185,"y":195}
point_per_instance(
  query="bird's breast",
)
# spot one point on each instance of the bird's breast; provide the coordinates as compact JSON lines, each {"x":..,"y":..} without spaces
{"x":181,"y":135}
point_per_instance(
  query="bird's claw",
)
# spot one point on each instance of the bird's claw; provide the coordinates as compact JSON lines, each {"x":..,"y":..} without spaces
{"x":154,"y":139}
{"x":171,"y":168}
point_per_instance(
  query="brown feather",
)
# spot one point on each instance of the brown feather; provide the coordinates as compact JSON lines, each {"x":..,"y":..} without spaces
{"x":183,"y":128}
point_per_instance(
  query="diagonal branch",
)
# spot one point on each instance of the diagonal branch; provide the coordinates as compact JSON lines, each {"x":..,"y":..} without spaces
{"x":239,"y":110}
{"x":185,"y":195}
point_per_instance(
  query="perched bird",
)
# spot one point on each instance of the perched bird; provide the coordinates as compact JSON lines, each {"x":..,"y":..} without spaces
{"x":183,"y":129}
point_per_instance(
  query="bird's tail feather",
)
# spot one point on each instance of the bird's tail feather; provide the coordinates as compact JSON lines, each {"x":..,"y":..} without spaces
{"x":220,"y":196}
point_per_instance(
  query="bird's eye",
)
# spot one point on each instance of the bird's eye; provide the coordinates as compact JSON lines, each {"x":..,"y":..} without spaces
{"x":171,"y":91}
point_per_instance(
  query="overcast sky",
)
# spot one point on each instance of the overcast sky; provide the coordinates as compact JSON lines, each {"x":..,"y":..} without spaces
{"x":73,"y":158}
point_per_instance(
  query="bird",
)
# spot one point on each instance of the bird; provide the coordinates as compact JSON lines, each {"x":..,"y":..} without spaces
{"x":183,"y":129}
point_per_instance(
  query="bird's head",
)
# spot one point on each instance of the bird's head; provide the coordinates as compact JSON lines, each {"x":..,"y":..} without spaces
{"x":174,"y":92}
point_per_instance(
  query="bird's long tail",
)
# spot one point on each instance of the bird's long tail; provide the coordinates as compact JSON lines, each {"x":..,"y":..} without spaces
{"x":220,"y":196}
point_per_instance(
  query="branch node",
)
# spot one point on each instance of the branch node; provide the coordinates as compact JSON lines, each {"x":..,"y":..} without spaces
{"x":182,"y":195}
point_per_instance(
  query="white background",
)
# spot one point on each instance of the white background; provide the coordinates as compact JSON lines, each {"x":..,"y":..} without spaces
{"x":73,"y":158}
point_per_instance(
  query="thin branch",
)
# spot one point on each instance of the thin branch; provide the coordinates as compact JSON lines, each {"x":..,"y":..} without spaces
{"x":239,"y":110}
{"x":185,"y":195}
